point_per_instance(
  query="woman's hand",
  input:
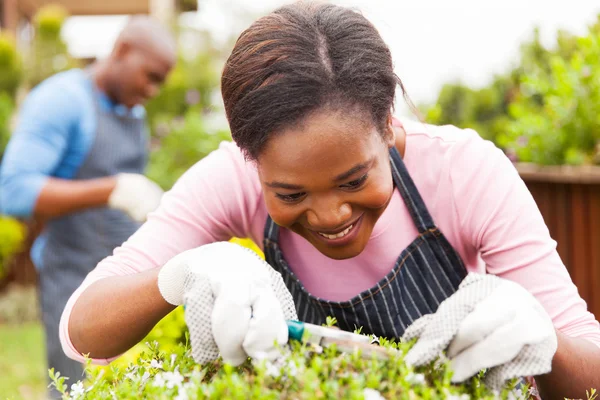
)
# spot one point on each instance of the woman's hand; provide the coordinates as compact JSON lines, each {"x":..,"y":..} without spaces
{"x":490,"y":323}
{"x":236,"y":304}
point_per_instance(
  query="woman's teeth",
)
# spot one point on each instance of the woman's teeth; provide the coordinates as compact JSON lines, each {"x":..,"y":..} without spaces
{"x":337,"y":235}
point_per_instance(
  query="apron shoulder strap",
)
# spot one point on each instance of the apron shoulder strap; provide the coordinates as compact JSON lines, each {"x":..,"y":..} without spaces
{"x":410,"y":194}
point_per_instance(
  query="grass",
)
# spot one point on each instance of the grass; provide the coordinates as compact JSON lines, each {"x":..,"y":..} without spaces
{"x":22,"y":361}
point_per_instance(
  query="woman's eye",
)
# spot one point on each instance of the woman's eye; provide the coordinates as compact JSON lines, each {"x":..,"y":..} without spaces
{"x":355,"y":183}
{"x":290,"y":198}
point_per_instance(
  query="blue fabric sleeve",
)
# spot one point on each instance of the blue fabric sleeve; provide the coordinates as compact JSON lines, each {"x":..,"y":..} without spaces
{"x":48,"y":117}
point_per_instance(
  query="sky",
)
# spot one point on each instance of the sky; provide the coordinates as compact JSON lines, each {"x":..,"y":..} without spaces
{"x":432,"y":41}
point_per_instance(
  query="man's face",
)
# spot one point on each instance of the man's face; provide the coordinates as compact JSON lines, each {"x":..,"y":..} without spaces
{"x":139,"y":73}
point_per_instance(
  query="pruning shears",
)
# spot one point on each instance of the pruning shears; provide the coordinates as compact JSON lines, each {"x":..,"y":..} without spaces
{"x":346,"y":342}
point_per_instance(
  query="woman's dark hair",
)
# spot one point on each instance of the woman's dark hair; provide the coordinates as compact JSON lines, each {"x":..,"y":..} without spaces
{"x":300,"y":58}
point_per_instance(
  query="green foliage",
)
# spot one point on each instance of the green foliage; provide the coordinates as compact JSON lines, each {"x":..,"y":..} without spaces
{"x":12,"y":236}
{"x":190,"y":86}
{"x":11,"y":68}
{"x":484,"y":110}
{"x":302,"y":372}
{"x":49,"y":21}
{"x":544,"y":111}
{"x":48,"y":54}
{"x":6,"y":112}
{"x":557,"y":115}
{"x":179,"y":116}
{"x":184,"y":142}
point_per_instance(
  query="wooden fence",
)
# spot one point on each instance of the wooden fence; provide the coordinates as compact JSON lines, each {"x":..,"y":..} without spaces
{"x":569,"y":199}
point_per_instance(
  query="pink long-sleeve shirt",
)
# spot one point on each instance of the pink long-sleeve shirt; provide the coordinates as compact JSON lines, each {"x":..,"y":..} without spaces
{"x":471,"y":189}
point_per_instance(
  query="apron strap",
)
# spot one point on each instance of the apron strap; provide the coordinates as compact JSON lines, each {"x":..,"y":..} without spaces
{"x":271,"y":233}
{"x":408,"y":190}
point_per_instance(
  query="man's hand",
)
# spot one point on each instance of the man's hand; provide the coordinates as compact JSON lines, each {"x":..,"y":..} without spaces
{"x":136,"y":195}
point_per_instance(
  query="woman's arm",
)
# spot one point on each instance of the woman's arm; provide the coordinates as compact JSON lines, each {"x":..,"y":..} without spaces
{"x":499,"y":217}
{"x":125,"y":307}
{"x":119,"y":302}
{"x":574,"y":370}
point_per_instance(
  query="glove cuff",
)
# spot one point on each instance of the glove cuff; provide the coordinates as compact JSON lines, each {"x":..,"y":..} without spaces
{"x":171,"y":280}
{"x":117,"y":197}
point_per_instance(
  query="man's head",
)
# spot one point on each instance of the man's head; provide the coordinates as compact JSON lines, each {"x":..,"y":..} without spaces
{"x":143,"y":55}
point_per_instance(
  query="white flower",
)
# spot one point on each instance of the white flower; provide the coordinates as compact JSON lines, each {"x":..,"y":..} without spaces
{"x":172,"y":379}
{"x":181,"y":395}
{"x":515,"y":394}
{"x":372,"y":394}
{"x":156,"y":364}
{"x":159,"y":380}
{"x":130,"y":375}
{"x":173,"y":358}
{"x":77,"y":390}
{"x":272,"y":369}
{"x":457,"y":397}
{"x":415,"y":379}
{"x":533,"y":392}
{"x":145,"y":376}
{"x":292,"y":369}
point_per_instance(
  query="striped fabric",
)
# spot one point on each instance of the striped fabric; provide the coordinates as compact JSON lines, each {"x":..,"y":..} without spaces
{"x":78,"y":242}
{"x":427,"y":272}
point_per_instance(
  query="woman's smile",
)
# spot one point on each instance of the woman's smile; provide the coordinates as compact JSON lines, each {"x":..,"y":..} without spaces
{"x":340,"y":237}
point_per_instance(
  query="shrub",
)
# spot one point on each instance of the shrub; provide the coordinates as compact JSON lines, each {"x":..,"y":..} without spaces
{"x":48,"y":54}
{"x":6,"y":112}
{"x":303,"y":372}
{"x":557,"y":114}
{"x":184,"y":142}
{"x":11,"y":68}
{"x":12,"y":236}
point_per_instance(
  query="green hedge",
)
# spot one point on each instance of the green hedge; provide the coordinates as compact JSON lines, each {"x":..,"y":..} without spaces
{"x":303,"y":372}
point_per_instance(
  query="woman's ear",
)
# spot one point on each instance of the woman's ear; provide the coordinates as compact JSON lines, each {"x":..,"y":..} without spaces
{"x":389,"y":135}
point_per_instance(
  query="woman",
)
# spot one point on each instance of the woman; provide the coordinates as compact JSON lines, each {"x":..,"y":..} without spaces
{"x":344,"y":198}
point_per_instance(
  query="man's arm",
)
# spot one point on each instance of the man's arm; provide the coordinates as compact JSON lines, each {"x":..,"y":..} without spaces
{"x":51,"y":115}
{"x":61,"y":196}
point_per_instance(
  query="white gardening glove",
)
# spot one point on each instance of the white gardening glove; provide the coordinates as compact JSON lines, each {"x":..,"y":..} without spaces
{"x":236,"y":304}
{"x":136,"y":195}
{"x":489,"y":323}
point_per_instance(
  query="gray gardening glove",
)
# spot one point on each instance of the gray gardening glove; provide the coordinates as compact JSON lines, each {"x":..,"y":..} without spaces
{"x":490,"y":323}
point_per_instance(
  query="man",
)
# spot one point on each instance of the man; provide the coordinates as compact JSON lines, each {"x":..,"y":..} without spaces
{"x":76,"y":161}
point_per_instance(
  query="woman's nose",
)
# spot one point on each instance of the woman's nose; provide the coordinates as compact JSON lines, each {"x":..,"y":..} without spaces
{"x":328,"y":215}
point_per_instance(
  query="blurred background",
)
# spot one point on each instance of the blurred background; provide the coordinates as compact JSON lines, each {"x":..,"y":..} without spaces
{"x":525,"y":75}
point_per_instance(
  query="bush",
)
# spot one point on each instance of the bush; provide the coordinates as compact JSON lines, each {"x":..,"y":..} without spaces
{"x":545,"y":111}
{"x":6,"y":112}
{"x":184,"y":142}
{"x":48,"y":54}
{"x":11,"y":68}
{"x":12,"y":237}
{"x":303,"y":372}
{"x":557,"y":114}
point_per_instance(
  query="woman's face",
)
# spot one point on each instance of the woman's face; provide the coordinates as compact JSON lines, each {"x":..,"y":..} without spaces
{"x":328,"y":179}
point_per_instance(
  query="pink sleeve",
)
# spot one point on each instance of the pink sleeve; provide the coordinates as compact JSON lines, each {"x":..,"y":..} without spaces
{"x":213,"y":201}
{"x":500,"y":218}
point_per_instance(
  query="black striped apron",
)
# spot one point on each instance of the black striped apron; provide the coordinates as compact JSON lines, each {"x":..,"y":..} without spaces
{"x":77,"y":242}
{"x":427,"y":272}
